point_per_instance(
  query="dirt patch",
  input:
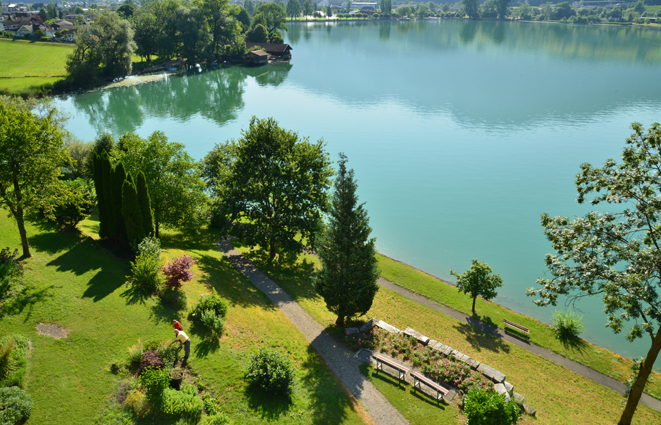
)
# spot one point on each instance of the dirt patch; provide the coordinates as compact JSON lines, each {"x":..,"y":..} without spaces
{"x":54,"y":331}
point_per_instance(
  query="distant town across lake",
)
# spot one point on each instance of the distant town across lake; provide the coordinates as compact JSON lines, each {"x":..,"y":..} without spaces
{"x":461,"y":133}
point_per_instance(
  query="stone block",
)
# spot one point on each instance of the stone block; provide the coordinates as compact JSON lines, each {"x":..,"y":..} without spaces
{"x":417,"y":335}
{"x":518,"y":399}
{"x":529,"y":410}
{"x":472,"y":363}
{"x":431,"y":343}
{"x":509,"y":387}
{"x":367,"y":326}
{"x":491,"y":373}
{"x":500,"y":388}
{"x":463,"y":358}
{"x":448,"y":350}
{"x":386,"y":327}
{"x":351,"y":331}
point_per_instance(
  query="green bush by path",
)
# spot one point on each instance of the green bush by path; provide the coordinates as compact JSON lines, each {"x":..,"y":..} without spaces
{"x":15,"y":406}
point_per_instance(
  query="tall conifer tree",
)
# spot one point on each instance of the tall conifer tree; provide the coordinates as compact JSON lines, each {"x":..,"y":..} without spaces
{"x":106,"y":194}
{"x":131,"y":211}
{"x":145,"y":204}
{"x":118,"y":177}
{"x":347,"y":279}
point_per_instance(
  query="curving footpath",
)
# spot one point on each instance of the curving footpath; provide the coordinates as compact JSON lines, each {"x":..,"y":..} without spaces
{"x":337,"y":356}
{"x":582,"y":370}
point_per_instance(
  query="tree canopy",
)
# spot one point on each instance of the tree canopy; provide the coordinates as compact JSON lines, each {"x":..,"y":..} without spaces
{"x":615,"y":255}
{"x":32,"y":153}
{"x":276,"y":186}
{"x":471,"y":8}
{"x":478,"y":281}
{"x":348,"y":275}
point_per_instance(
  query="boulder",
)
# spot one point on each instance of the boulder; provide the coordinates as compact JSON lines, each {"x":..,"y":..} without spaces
{"x":472,"y":363}
{"x":500,"y":389}
{"x":386,"y":327}
{"x":457,"y":354}
{"x":351,"y":331}
{"x":448,"y":350}
{"x":431,"y":343}
{"x":367,"y":326}
{"x":509,"y":387}
{"x":491,"y":373}
{"x":529,"y":410}
{"x":417,"y":335}
{"x":518,"y":399}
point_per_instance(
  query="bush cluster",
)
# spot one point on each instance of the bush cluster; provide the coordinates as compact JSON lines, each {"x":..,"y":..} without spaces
{"x":457,"y":374}
{"x":13,"y":360}
{"x":155,"y":382}
{"x":271,"y":371}
{"x":567,"y":324}
{"x":150,"y":359}
{"x":211,"y":312}
{"x":178,"y":271}
{"x":145,"y":274}
{"x":217,"y":419}
{"x":184,"y":402}
{"x":15,"y":405}
{"x":486,"y":407}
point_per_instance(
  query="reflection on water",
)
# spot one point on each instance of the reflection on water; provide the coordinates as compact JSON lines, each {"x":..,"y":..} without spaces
{"x":216,"y":95}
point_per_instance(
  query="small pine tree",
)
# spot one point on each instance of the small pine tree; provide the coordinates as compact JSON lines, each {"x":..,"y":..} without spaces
{"x":131,"y":212}
{"x":98,"y":185}
{"x":347,"y":279}
{"x":118,"y":177}
{"x":106,"y":193}
{"x":145,"y":204}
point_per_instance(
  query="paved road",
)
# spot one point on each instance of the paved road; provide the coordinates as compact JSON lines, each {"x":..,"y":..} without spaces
{"x":336,"y":355}
{"x":589,"y":373}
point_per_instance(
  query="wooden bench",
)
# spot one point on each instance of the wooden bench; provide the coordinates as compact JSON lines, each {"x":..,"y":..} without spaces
{"x":380,"y":361}
{"x":515,"y":326}
{"x":419,"y":378}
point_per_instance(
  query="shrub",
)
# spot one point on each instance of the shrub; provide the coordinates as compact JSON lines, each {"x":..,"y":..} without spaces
{"x":15,"y":350}
{"x":271,"y":371}
{"x":135,"y":355}
{"x":179,"y":271}
{"x":150,"y":245}
{"x":217,"y":419}
{"x":211,"y":404}
{"x":486,"y":407}
{"x":137,"y":402}
{"x":168,"y":353}
{"x":73,"y":205}
{"x":11,"y":269}
{"x":177,"y":403}
{"x":150,"y":359}
{"x":567,"y":324}
{"x":145,"y":275}
{"x":211,"y":312}
{"x":175,"y":298}
{"x":155,"y":382}
{"x":15,"y":405}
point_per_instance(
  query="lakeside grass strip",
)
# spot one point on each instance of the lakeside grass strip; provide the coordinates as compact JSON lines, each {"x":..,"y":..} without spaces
{"x":559,"y":395}
{"x":595,"y":357}
{"x":75,"y":283}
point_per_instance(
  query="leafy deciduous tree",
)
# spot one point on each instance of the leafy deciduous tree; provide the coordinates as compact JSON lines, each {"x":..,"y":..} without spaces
{"x":478,"y":281}
{"x":615,"y":255}
{"x":293,"y":8}
{"x":348,"y":275}
{"x":471,"y":8}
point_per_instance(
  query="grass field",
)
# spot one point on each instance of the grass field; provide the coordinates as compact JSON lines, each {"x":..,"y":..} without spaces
{"x":559,"y":395}
{"x":74,"y":282}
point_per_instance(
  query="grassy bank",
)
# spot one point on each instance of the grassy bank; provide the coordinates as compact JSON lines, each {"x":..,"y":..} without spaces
{"x":31,"y":64}
{"x":74,"y":282}
{"x":559,"y":395}
{"x":597,"y":358}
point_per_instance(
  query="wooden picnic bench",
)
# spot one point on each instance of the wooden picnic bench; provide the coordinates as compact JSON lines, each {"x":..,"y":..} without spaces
{"x":419,"y":378}
{"x":380,"y":361}
{"x":515,"y":326}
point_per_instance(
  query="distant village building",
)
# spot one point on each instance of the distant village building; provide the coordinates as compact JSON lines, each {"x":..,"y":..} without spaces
{"x":364,"y":5}
{"x":256,"y":57}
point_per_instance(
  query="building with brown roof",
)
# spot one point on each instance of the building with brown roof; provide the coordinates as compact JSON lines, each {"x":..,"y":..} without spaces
{"x":274,"y":49}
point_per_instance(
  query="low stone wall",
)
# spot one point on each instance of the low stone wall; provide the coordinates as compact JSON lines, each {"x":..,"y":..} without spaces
{"x":501,"y":386}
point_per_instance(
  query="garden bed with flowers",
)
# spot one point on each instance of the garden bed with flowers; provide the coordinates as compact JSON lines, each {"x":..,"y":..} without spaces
{"x":406,"y":348}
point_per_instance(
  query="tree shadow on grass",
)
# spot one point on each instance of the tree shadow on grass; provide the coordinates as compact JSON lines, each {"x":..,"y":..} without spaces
{"x":205,"y":341}
{"x":481,"y":340}
{"x":268,"y":406}
{"x":26,"y":297}
{"x":135,"y":296}
{"x":573,"y":343}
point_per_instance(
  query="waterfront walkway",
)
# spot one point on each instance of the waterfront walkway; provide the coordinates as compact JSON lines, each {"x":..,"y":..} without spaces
{"x":338,"y":357}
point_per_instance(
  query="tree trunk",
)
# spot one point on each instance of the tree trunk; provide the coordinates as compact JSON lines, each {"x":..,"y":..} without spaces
{"x":340,"y":320}
{"x":271,"y":250}
{"x":474,"y":299}
{"x":156,"y":229}
{"x":638,"y":387}
{"x":20,"y":221}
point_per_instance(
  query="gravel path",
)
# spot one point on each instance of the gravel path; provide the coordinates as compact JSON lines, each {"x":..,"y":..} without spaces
{"x":337,"y":356}
{"x":582,"y":370}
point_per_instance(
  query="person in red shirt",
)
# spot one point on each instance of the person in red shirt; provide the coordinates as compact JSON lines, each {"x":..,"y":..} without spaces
{"x":177,"y":325}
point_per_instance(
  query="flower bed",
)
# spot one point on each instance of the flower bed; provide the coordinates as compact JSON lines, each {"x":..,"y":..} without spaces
{"x":441,"y":367}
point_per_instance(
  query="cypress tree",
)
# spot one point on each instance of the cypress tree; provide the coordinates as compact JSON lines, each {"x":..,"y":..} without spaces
{"x":106,"y":194}
{"x":131,"y":212}
{"x":347,"y":279}
{"x":118,"y":177}
{"x":145,"y":205}
{"x":98,"y":185}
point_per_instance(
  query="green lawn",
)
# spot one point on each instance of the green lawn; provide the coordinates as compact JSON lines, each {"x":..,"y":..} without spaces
{"x":74,"y":282}
{"x":559,"y":395}
{"x":651,"y":10}
{"x":23,"y":58}
{"x":541,"y":334}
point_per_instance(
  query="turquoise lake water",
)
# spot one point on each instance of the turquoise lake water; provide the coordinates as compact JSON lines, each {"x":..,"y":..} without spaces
{"x":460,"y":133}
